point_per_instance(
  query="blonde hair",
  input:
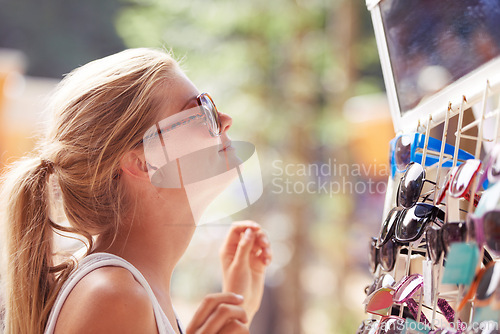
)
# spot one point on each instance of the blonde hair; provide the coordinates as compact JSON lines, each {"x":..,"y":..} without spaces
{"x":101,"y":110}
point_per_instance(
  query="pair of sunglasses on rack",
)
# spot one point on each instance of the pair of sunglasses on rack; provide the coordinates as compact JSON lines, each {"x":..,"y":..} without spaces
{"x":207,"y":113}
{"x":459,"y":179}
{"x":384,"y":256}
{"x":408,"y":148}
{"x":408,"y":225}
{"x":485,"y":288}
{"x":381,"y":301}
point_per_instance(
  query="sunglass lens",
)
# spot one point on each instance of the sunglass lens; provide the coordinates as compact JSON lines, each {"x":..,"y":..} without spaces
{"x":411,"y":185}
{"x":491,"y":225}
{"x":410,"y":225}
{"x":434,"y":243}
{"x":463,"y":177}
{"x":392,"y":325}
{"x":373,"y":254}
{"x":407,"y":287}
{"x":402,"y":153}
{"x":388,"y":226}
{"x":494,"y":172}
{"x":210,"y":110}
{"x":380,"y":301}
{"x":387,"y":255}
{"x":453,"y":232}
{"x":489,"y":282}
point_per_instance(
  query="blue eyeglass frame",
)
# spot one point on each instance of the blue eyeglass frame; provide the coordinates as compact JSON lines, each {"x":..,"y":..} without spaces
{"x":434,"y":145}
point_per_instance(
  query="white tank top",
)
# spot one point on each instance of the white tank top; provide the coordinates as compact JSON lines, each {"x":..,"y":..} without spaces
{"x":98,"y":260}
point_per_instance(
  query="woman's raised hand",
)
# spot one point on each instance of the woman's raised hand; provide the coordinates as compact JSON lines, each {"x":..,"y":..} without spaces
{"x":245,"y":256}
{"x":219,"y":313}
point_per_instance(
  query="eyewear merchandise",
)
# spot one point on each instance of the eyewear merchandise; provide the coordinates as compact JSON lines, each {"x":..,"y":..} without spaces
{"x":439,"y":238}
{"x":491,"y":166}
{"x":381,"y":281}
{"x":458,"y":181}
{"x":486,"y":219}
{"x":406,"y":148}
{"x":411,"y":185}
{"x":368,"y":326}
{"x":385,"y":256}
{"x":381,"y":301}
{"x":483,"y":288}
{"x":391,"y":325}
{"x":408,"y":225}
{"x":412,"y":222}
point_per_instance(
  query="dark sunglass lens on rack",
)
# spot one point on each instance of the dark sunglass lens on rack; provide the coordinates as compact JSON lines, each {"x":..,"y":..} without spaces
{"x":387,"y":255}
{"x":439,"y":239}
{"x":388,"y":226}
{"x":434,"y":243}
{"x":491,"y":226}
{"x":411,"y":185}
{"x":373,"y":255}
{"x":413,"y":221}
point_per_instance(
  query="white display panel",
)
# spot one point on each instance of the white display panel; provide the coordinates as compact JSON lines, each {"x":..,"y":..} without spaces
{"x":434,"y":53}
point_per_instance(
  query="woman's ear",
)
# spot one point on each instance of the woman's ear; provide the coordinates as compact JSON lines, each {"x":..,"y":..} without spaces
{"x":134,"y":164}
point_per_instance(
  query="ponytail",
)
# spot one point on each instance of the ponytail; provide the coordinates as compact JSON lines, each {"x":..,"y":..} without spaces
{"x":30,"y":277}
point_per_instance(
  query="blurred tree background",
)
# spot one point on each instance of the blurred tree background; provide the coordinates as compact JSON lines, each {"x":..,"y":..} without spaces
{"x":284,"y":71}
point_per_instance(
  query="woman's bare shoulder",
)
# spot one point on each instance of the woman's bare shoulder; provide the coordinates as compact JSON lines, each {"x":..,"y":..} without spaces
{"x":107,"y":300}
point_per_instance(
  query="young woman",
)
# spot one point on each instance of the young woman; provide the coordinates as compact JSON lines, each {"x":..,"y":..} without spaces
{"x":135,"y":231}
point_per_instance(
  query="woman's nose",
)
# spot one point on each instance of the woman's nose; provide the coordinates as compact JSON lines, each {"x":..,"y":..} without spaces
{"x":225,"y":122}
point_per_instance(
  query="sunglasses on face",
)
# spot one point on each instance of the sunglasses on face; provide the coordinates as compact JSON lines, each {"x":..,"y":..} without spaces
{"x":207,"y":105}
{"x":459,"y":180}
{"x":384,"y":256}
{"x":207,"y":114}
{"x":439,"y":238}
{"x":483,"y":287}
{"x":407,"y":148}
{"x":411,"y":185}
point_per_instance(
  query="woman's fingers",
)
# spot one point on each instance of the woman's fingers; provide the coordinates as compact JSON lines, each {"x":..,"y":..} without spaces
{"x":234,"y":327}
{"x":223,"y":315}
{"x":233,"y":238}
{"x":212,"y":304}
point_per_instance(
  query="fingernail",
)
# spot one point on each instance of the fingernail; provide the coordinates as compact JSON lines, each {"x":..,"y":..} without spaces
{"x":248,"y":233}
{"x":240,"y":297}
{"x":265,"y":240}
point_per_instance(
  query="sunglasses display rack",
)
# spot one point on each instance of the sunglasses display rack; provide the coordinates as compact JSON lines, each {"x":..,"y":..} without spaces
{"x":432,"y":218}
{"x":435,"y":261}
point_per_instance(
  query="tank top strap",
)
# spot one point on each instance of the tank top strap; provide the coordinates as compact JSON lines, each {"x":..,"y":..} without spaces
{"x":93,"y":262}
